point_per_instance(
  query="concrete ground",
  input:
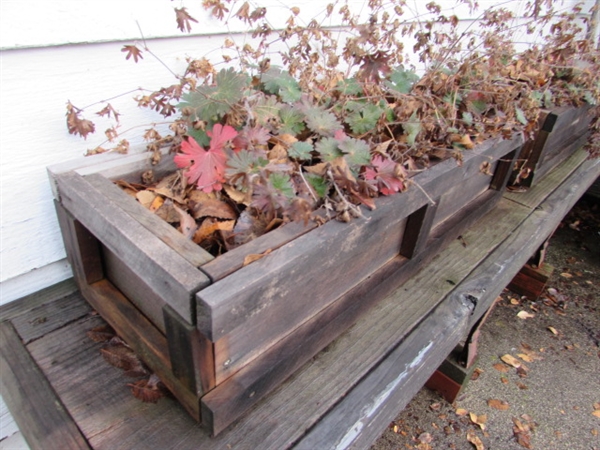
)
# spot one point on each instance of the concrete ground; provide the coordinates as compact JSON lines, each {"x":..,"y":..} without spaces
{"x":552,"y":400}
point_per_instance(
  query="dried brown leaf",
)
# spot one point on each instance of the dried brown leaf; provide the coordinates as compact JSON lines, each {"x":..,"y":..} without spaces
{"x":500,"y":405}
{"x":249,"y":259}
{"x":511,"y":360}
{"x":148,"y":391}
{"x":501,"y":367}
{"x":123,"y":357}
{"x":102,"y":333}
{"x":212,"y":208}
{"x":474,"y":439}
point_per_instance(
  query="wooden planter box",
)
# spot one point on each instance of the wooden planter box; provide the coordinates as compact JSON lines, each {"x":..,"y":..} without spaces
{"x":562,"y":130}
{"x":222,"y":335}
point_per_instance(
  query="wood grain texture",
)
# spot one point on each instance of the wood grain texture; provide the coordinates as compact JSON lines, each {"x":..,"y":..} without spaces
{"x":192,"y":252}
{"x":39,"y":414}
{"x":159,"y":266}
{"x":360,"y":418}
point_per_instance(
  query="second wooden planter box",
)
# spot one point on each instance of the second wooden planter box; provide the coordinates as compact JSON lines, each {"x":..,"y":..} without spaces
{"x":221,"y":335}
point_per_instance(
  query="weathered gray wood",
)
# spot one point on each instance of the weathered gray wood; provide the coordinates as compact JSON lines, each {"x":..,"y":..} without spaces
{"x":282,"y":418}
{"x":43,"y":319}
{"x":31,"y":301}
{"x":83,"y":249}
{"x":160,"y":267}
{"x":544,"y":187}
{"x":40,"y":415}
{"x":552,"y":159}
{"x":195,"y":254}
{"x":134,"y":288}
{"x":141,"y":335}
{"x":264,"y":304}
{"x":360,"y":418}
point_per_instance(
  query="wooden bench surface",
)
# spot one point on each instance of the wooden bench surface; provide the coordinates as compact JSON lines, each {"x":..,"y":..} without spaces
{"x":63,"y":394}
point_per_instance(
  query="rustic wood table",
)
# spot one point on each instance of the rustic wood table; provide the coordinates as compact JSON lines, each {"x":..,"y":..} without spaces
{"x":64,"y":395}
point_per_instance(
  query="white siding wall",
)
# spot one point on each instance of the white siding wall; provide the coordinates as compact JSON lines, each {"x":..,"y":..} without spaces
{"x":54,"y":51}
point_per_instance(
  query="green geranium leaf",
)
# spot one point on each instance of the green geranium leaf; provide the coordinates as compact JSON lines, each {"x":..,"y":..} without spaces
{"x":467,"y":118}
{"x":401,"y":80}
{"x":322,"y":122}
{"x":520,"y":115}
{"x":350,"y":87}
{"x":364,"y":116}
{"x":283,"y":84}
{"x":318,"y":183}
{"x":282,"y":183}
{"x":292,"y":120}
{"x":356,"y":152}
{"x":301,"y":150}
{"x":210,"y":103}
{"x":412,"y":129}
{"x":328,"y":149}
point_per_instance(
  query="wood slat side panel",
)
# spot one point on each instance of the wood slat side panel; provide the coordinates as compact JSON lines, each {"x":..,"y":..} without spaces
{"x":38,"y":412}
{"x":149,"y":344}
{"x":317,"y":280}
{"x":195,"y":254}
{"x":161,"y":268}
{"x":134,"y":288}
{"x":360,"y":418}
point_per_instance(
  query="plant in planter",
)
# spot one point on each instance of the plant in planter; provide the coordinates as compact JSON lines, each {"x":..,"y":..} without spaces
{"x":262,"y":155}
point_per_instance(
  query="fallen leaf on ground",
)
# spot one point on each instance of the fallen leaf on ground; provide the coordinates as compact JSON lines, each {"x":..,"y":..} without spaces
{"x":521,"y":433}
{"x":500,"y":405}
{"x":553,"y":330}
{"x":461,"y":412}
{"x":500,"y":367}
{"x":511,"y":360}
{"x":476,"y":373}
{"x":474,"y":439}
{"x":514,"y":301}
{"x":596,"y":413}
{"x":525,"y":357}
{"x":148,"y":391}
{"x":525,"y":315}
{"x":566,"y":275}
{"x":478,"y":420}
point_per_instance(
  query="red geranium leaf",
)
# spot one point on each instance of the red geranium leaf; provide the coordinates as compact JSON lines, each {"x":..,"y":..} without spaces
{"x":386,"y":175}
{"x":206,"y":168}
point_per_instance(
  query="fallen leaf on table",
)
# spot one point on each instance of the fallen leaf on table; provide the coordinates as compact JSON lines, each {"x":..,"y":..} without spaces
{"x":511,"y":360}
{"x":525,"y":315}
{"x":255,"y":257}
{"x":500,"y":405}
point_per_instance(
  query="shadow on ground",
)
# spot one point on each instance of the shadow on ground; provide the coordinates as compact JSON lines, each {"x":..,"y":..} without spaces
{"x":552,"y":400}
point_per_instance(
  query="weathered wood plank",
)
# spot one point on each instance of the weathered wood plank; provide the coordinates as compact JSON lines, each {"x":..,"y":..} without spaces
{"x":544,"y":187}
{"x":150,"y":345}
{"x":38,"y":412}
{"x":562,"y":152}
{"x":31,"y":301}
{"x":43,"y":319}
{"x":195,"y":254}
{"x":360,"y":418}
{"x":83,"y":249}
{"x":161,"y":268}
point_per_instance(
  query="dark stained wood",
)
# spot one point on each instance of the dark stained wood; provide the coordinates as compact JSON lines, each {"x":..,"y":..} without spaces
{"x":161,"y":268}
{"x":531,"y":282}
{"x":190,"y":353}
{"x":38,"y":412}
{"x":418,"y":227}
{"x":195,"y":254}
{"x":149,"y":344}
